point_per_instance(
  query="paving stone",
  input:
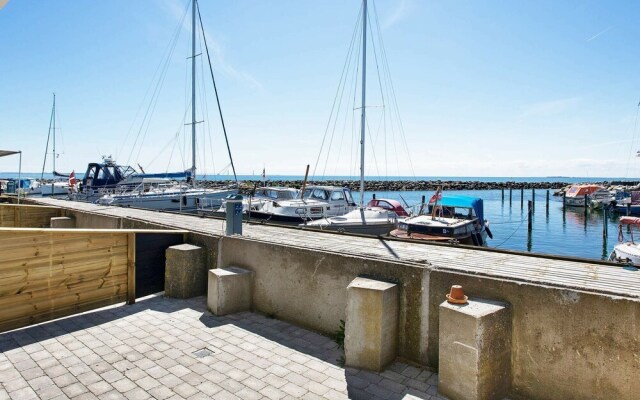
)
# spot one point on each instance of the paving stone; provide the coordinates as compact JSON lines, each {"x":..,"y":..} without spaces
{"x":112,"y":395}
{"x":247,"y":394}
{"x":208,"y":388}
{"x":147,"y":383}
{"x":293,"y":390}
{"x":88,"y":378}
{"x":185,"y":390}
{"x":75,"y":389}
{"x":123,"y":385}
{"x":161,"y":393}
{"x":64,"y":380}
{"x":25,"y":393}
{"x":272,"y":392}
{"x":99,"y":387}
{"x":137,"y":394}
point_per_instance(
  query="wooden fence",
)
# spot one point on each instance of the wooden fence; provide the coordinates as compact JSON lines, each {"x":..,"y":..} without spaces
{"x":27,"y":216}
{"x":49,"y":273}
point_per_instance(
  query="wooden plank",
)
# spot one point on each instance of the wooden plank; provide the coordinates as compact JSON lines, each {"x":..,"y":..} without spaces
{"x":131,"y":268}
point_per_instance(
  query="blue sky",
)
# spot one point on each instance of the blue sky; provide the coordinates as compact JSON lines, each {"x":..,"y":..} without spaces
{"x":489,"y":88}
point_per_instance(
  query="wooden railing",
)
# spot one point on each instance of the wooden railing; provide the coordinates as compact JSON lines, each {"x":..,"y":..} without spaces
{"x":49,"y":273}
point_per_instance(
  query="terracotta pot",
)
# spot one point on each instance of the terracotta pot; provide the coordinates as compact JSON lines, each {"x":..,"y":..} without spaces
{"x":456,"y":295}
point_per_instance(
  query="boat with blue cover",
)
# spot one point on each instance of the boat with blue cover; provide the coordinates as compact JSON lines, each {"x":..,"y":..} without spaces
{"x":448,"y":218}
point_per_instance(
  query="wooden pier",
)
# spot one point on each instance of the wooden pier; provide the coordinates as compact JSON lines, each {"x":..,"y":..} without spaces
{"x":561,"y":272}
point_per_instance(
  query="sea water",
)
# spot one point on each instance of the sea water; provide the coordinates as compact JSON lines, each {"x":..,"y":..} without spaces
{"x":570,"y":232}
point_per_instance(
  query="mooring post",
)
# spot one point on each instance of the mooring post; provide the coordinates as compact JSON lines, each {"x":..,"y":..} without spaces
{"x":605,"y":222}
{"x":510,"y":195}
{"x":522,"y":198}
{"x":529,"y":222}
{"x":547,"y":200}
{"x":533,"y":199}
{"x":502,"y":192}
{"x":628,"y":210}
{"x":586,"y":206}
{"x":564,"y":201}
{"x":374,"y":196}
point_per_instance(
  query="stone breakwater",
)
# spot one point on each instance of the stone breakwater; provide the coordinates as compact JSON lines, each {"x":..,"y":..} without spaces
{"x":394,"y":186}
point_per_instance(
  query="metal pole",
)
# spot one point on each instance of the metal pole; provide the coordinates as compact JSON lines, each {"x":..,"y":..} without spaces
{"x":193,"y":93}
{"x":364,"y":82}
{"x":54,"y":134}
{"x":19,"y":174}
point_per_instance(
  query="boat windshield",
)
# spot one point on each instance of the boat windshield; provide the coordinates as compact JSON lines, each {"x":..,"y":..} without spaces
{"x":281,"y":194}
{"x":454,"y":212}
{"x":316,"y":194}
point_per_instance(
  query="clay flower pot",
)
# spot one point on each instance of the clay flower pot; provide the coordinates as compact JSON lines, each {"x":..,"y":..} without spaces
{"x":456,"y":295}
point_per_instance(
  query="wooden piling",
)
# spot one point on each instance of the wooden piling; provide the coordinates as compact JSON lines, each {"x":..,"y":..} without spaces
{"x":510,"y":195}
{"x":522,"y":198}
{"x":586,"y":206}
{"x":547,"y":200}
{"x":529,"y":216}
{"x":533,"y":199}
{"x":605,"y":222}
{"x":502,"y":192}
{"x":131,"y":268}
{"x":374,"y":196}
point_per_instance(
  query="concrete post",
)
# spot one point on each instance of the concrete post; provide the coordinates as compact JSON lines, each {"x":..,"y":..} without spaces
{"x":63,"y":222}
{"x":474,"y":350}
{"x":229,"y":290}
{"x":371,"y":326}
{"x":185,"y":271}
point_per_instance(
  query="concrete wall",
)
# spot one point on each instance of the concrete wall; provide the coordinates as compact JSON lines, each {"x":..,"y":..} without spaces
{"x":567,"y":344}
{"x":85,"y":220}
{"x":309,"y":288}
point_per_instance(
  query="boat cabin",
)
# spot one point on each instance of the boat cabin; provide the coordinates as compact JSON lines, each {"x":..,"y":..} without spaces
{"x":390,"y":205}
{"x":329,"y":194}
{"x":582,"y":190}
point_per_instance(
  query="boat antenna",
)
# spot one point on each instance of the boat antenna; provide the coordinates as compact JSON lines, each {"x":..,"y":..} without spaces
{"x":364,"y":86}
{"x":46,"y":150}
{"x":215,"y":89}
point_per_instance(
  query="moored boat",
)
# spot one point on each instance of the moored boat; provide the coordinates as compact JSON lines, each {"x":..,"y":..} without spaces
{"x":457,"y":219}
{"x":315,"y":202}
{"x":629,"y":251}
{"x":581,"y":195}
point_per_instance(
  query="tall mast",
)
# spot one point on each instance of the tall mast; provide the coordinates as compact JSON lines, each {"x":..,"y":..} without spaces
{"x":54,"y":133}
{"x":364,"y":87}
{"x":193,"y":93}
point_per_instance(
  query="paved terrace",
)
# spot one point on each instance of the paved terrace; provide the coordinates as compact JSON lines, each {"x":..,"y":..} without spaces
{"x":165,"y":348}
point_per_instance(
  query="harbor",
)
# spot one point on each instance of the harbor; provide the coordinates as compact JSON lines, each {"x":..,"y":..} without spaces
{"x":319,"y":200}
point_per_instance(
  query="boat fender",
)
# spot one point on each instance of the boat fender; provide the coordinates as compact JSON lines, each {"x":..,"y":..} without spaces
{"x":184,"y":200}
{"x":486,"y":228}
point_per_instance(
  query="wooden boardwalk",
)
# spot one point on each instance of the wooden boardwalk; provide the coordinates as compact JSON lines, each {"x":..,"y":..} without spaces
{"x":574,"y":274}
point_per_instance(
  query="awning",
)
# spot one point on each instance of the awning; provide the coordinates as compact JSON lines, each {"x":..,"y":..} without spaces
{"x":7,"y":152}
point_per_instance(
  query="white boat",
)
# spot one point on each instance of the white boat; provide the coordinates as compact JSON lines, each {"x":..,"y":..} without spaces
{"x":254,"y":201}
{"x":629,"y":251}
{"x":581,"y":195}
{"x":458,"y":219}
{"x":176,"y":196}
{"x":316,"y":202}
{"x":57,"y":187}
{"x":164,"y":194}
{"x":379,"y":217}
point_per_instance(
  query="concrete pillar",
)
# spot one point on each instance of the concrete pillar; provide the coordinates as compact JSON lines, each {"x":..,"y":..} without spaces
{"x":371,"y":326}
{"x":229,"y":290}
{"x":474,"y":350}
{"x":186,"y":271}
{"x":63,"y":222}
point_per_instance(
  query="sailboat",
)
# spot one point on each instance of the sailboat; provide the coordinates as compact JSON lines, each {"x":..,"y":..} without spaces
{"x":370,"y":219}
{"x":57,"y":187}
{"x":163,"y":194}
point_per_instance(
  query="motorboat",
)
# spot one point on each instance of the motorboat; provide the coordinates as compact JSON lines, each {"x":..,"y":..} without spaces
{"x":448,"y":218}
{"x":629,"y":251}
{"x":102,"y":178}
{"x":254,"y":201}
{"x":581,"y":195}
{"x":379,"y":217}
{"x":315,"y":202}
{"x":628,"y":205}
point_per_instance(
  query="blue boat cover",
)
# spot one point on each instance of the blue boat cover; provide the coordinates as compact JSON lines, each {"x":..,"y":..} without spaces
{"x":464,"y":201}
